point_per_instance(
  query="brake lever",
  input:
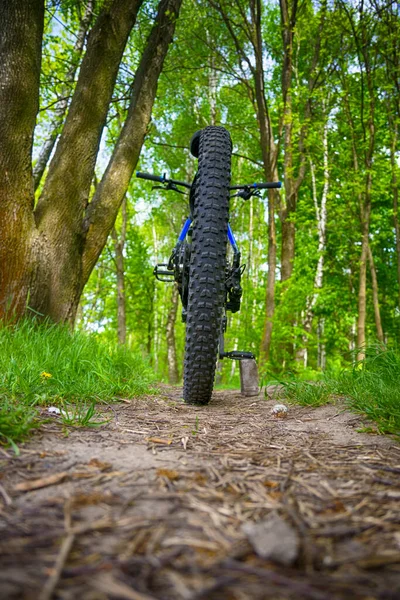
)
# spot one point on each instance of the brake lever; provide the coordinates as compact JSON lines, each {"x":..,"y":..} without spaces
{"x":168,"y":186}
{"x":247,"y":193}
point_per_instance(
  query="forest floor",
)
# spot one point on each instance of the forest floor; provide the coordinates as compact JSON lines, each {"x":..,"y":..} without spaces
{"x":154,"y":505}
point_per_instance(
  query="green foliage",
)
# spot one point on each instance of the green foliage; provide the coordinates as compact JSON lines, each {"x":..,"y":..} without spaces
{"x":372,"y":388}
{"x":307,"y":393}
{"x":207,"y":79}
{"x":47,"y":364}
{"x":17,"y":419}
{"x":81,"y":415}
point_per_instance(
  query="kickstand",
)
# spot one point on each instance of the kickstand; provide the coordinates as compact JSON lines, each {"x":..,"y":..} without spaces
{"x":248,"y":377}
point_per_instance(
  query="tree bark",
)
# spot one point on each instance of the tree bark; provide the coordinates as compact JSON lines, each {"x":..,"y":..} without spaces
{"x":61,"y":207}
{"x":375,"y":297}
{"x":270,"y":291}
{"x":66,"y":237}
{"x":154,"y":355}
{"x":288,"y":10}
{"x":321,"y":217}
{"x":395,"y":191}
{"x":364,"y":50}
{"x":62,"y":105}
{"x":366,"y":208}
{"x":293,"y":180}
{"x":173,"y":374}
{"x":321,"y":352}
{"x":392,"y":50}
{"x":102,"y":211}
{"x":269,"y":157}
{"x":365,"y":220}
{"x":362,"y":296}
{"x":119,"y":244}
{"x":21,"y":26}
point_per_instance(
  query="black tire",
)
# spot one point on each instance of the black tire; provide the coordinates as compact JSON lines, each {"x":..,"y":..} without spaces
{"x":207,"y":264}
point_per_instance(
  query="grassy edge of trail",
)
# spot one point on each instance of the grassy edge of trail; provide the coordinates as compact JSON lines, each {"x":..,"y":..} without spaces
{"x":47,"y":364}
{"x":370,"y":388}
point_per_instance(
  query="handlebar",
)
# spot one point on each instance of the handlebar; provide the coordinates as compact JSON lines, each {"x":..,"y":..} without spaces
{"x":259,"y":186}
{"x":162,"y":179}
{"x":150,"y":177}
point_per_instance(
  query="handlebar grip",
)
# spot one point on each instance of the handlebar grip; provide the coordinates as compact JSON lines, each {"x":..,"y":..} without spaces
{"x":150,"y":177}
{"x":268,"y":186}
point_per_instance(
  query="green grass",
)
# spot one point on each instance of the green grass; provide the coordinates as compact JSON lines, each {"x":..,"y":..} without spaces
{"x":371,"y":388}
{"x":306,"y":393}
{"x":42,"y":365}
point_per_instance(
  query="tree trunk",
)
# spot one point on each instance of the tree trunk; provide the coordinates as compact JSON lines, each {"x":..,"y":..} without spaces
{"x":173,"y":374}
{"x":65,"y":91}
{"x":362,"y":297}
{"x":375,"y":296}
{"x":365,"y":220}
{"x":212,"y":86}
{"x":70,"y":238}
{"x":363,"y":45}
{"x":321,"y":218}
{"x":119,"y":244}
{"x":270,"y":292}
{"x":321,"y":358}
{"x":392,"y":56}
{"x":154,"y":354}
{"x":60,"y":210}
{"x":288,"y":10}
{"x":269,"y":157}
{"x":21,"y":26}
{"x":395,"y":191}
{"x":293,"y":181}
{"x":101,"y":212}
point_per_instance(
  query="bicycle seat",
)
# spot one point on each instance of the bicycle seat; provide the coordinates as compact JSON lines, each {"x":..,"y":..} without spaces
{"x":194,"y":144}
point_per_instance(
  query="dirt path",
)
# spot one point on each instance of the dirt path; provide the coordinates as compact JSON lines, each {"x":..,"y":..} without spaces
{"x":153,"y":506}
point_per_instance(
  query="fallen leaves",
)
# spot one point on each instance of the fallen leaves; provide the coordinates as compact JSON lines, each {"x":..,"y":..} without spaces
{"x":98,"y":464}
{"x":107,"y":584}
{"x":187,"y":516}
{"x":156,"y":440}
{"x":168,"y":473}
{"x":36,"y":484}
{"x":270,"y":484}
{"x":56,"y":478}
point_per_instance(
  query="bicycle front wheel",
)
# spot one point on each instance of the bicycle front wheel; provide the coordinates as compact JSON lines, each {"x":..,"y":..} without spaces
{"x":207,"y":264}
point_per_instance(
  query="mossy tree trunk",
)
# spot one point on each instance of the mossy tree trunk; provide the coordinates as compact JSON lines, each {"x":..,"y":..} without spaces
{"x":21,"y":26}
{"x":47,"y":254}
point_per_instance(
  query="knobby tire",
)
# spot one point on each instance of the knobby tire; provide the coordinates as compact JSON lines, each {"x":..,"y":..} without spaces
{"x":207,"y":264}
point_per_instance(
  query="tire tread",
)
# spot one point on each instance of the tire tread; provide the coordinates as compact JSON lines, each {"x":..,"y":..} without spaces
{"x":207,"y":268}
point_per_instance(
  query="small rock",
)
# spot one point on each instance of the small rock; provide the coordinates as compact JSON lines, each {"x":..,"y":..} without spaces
{"x":280,"y":410}
{"x":53,"y":410}
{"x":273,"y":539}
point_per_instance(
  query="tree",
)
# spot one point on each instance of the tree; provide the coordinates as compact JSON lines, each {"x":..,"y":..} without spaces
{"x":60,"y":239}
{"x":63,"y":101}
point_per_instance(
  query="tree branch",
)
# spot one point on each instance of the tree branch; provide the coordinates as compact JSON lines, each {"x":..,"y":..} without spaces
{"x":102,"y":211}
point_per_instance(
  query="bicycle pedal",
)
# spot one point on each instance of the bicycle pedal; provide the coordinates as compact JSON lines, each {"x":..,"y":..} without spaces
{"x":162,"y":273}
{"x":237,"y":355}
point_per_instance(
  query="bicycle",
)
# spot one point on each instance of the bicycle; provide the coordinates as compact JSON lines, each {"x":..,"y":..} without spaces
{"x":208,"y":286}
